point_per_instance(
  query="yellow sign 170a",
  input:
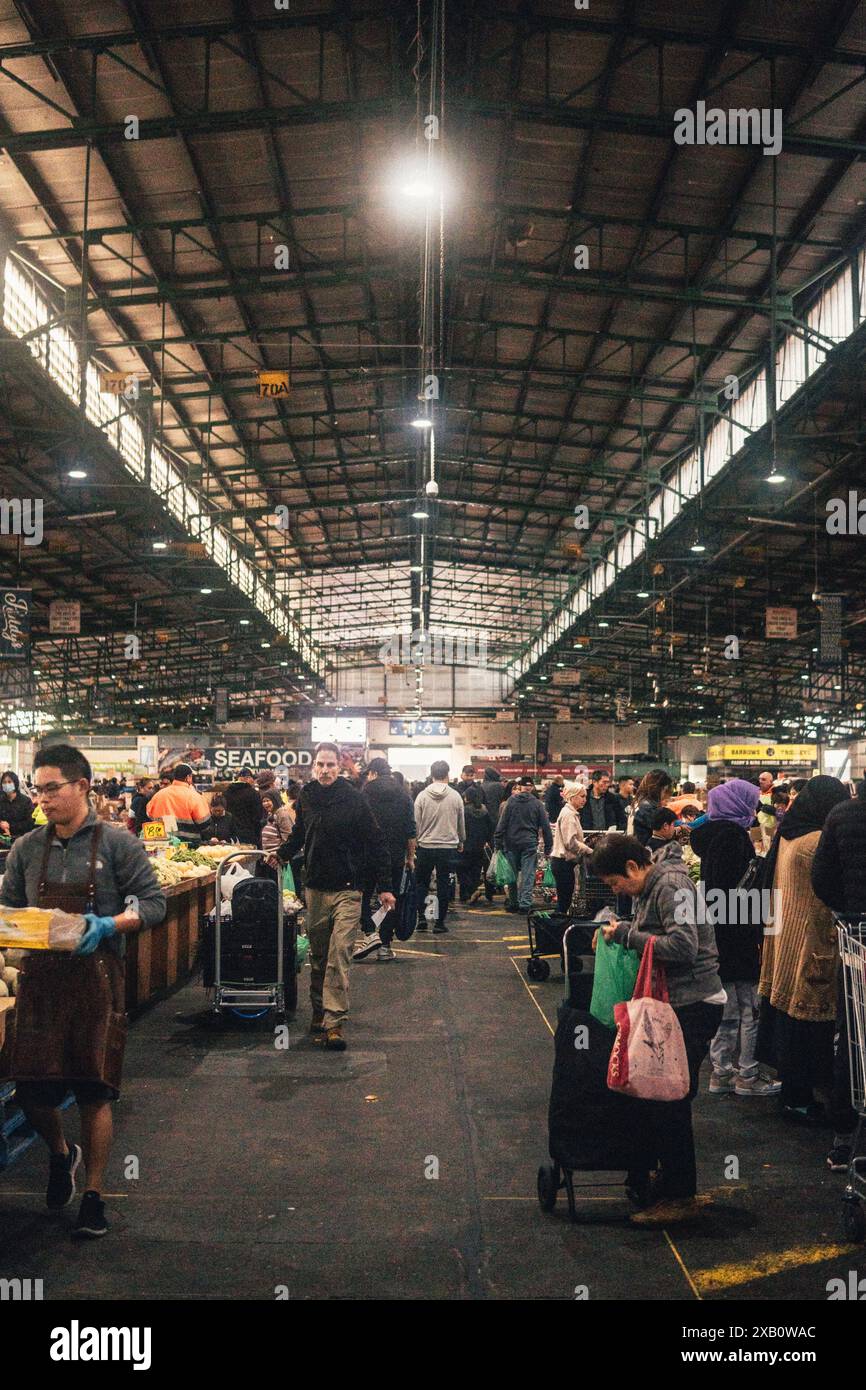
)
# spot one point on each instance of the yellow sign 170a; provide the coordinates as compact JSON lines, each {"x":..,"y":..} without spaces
{"x":273,"y":384}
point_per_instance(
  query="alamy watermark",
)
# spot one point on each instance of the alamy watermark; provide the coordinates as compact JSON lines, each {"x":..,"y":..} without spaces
{"x":433,"y":648}
{"x":732,"y":907}
{"x":22,"y":516}
{"x":846,"y":516}
{"x":740,"y":126}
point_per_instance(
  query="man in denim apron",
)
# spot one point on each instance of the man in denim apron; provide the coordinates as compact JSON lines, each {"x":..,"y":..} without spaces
{"x":70,"y":1022}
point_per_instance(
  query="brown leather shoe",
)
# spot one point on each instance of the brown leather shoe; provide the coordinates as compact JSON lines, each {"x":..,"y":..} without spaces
{"x":317,"y":1025}
{"x":334,"y":1040}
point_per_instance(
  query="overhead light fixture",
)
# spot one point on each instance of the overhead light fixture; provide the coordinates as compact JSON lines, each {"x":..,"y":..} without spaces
{"x":422,"y":422}
{"x":420,"y":516}
{"x":160,"y":545}
{"x":774,"y":476}
{"x":244,"y":622}
{"x":265,"y":644}
{"x":205,"y":591}
{"x":76,"y":473}
{"x":415,"y":569}
{"x":698,"y":546}
{"x":603,"y":623}
{"x":643,"y":593}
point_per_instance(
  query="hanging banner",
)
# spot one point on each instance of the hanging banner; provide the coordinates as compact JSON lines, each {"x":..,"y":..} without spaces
{"x":15,"y":624}
{"x":221,"y":705}
{"x":64,"y":616}
{"x":830,"y":639}
{"x":781,"y":623}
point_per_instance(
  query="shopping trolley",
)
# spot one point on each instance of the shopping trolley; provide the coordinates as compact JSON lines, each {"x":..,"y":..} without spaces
{"x":852,"y":948}
{"x":591,"y":1129}
{"x":594,"y":892}
{"x":249,"y":972}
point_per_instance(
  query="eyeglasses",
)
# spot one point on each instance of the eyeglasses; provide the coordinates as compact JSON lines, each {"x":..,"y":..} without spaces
{"x":51,"y":788}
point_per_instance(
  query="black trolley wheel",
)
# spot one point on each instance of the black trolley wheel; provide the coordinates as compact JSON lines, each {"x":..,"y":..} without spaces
{"x":537,"y":969}
{"x":548,"y":1186}
{"x":853,"y":1219}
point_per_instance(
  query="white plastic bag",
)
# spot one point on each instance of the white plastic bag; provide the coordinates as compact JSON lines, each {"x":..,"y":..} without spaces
{"x":234,"y":874}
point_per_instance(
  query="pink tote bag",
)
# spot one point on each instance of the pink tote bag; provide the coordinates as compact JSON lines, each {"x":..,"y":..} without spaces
{"x":648,"y":1059}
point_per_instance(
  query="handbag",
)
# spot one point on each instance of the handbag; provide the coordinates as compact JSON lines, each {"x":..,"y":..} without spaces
{"x":648,"y":1059}
{"x":407,"y":905}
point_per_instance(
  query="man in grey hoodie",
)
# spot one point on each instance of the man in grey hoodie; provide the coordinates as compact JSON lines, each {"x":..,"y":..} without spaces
{"x":666,"y":911}
{"x":441,"y":834}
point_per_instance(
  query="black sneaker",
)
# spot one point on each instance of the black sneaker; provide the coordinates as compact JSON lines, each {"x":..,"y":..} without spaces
{"x":422,"y":924}
{"x":61,"y":1178}
{"x":838,"y":1158}
{"x":91,"y":1223}
{"x":439,"y":928}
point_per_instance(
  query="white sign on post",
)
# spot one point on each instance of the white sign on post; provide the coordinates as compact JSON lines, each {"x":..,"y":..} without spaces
{"x":781,"y":622}
{"x":64,"y":616}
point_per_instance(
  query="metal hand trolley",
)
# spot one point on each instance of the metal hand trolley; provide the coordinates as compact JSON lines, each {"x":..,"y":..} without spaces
{"x":242,"y":998}
{"x":852,"y":948}
{"x":617,"y":1150}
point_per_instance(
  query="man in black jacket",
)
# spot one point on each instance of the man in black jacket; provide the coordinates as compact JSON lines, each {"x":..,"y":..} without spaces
{"x":392,"y":806}
{"x":602,"y":809}
{"x":517,"y":833}
{"x":344,"y":848}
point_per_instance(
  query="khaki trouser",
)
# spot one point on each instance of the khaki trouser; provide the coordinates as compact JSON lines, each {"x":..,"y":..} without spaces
{"x":332,"y":922}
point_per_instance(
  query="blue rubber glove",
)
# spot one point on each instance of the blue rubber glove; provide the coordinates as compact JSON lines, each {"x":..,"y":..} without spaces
{"x":98,"y":930}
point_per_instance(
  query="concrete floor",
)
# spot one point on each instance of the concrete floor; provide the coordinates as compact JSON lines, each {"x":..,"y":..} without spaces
{"x":264,"y":1169}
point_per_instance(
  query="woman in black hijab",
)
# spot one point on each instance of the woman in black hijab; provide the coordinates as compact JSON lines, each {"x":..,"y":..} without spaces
{"x":800,"y":957}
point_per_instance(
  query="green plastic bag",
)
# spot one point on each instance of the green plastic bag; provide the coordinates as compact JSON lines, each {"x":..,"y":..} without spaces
{"x":302,"y":948}
{"x":616,"y":970}
{"x":505,"y":875}
{"x":288,"y":880}
{"x":547,"y":879}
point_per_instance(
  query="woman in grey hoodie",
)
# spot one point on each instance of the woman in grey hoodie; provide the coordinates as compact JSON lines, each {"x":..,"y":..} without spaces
{"x":667,"y":910}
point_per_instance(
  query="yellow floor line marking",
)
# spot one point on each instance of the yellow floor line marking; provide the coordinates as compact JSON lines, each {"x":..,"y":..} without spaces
{"x":4,"y":1192}
{"x":679,"y":1259}
{"x":763,"y":1266}
{"x":535,"y":1199}
{"x":551,"y":1029}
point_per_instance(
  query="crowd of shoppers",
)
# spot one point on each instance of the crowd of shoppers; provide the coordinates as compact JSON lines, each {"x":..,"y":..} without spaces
{"x":760,"y":996}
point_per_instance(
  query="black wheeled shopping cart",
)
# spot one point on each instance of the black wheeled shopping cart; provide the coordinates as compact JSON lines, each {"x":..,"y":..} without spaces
{"x":852,"y":949}
{"x":254,"y":948}
{"x":546,"y":930}
{"x":591,"y":1129}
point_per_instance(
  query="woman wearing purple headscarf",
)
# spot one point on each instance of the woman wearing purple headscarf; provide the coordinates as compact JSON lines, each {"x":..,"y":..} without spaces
{"x":725,"y":850}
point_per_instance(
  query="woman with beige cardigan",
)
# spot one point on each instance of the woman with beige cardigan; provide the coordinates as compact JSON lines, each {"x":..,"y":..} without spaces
{"x":569,"y":846}
{"x":800,"y":958}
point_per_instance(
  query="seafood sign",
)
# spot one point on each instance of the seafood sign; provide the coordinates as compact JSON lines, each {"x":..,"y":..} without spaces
{"x":15,"y":625}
